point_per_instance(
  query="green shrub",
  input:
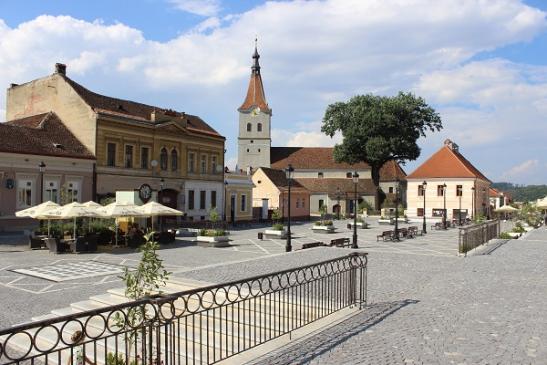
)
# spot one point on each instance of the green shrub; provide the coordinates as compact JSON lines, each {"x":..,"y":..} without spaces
{"x":505,"y":235}
{"x":212,"y":232}
{"x":276,"y":215}
{"x":323,"y":223}
{"x":277,"y":227}
{"x":519,"y":228}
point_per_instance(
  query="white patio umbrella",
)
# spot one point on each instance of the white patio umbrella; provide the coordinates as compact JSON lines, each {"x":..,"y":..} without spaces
{"x":38,"y":212}
{"x":91,"y":204}
{"x":506,"y":209}
{"x":73,"y":210}
{"x":155,"y":209}
{"x":118,"y":210}
{"x":542,"y":203}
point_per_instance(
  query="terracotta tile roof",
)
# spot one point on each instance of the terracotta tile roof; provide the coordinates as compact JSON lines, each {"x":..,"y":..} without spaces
{"x":391,"y":171}
{"x":42,"y":134}
{"x":136,"y":110}
{"x":329,"y":186}
{"x":493,"y":193}
{"x":255,"y":95}
{"x":447,"y":163}
{"x":279,"y":178}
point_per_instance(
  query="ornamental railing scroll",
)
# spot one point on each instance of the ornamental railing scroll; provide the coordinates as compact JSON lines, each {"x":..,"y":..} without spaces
{"x":200,"y":326}
{"x":473,"y":236}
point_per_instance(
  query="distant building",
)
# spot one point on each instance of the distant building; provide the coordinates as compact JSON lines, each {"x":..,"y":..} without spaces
{"x":239,"y":197}
{"x":328,"y":182}
{"x":466,"y":189}
{"x":137,"y":146}
{"x":67,"y":167}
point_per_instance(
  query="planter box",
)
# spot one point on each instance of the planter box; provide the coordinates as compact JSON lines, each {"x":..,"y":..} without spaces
{"x":514,"y":234}
{"x":272,"y":233}
{"x":217,"y":241}
{"x":385,"y":221}
{"x":359,"y":225}
{"x":326,"y":229}
{"x":184,"y":232}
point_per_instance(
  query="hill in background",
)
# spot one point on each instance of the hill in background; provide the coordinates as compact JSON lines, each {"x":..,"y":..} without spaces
{"x":522,"y":193}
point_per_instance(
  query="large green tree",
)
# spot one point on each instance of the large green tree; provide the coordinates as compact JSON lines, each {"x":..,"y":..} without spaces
{"x":376,"y":129}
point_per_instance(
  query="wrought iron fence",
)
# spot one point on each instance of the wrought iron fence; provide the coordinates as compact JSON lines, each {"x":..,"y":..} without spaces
{"x":476,"y":235}
{"x":200,"y":326}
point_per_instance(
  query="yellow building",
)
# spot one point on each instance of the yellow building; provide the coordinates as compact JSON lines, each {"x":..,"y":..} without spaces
{"x":239,"y":197}
{"x":137,"y":146}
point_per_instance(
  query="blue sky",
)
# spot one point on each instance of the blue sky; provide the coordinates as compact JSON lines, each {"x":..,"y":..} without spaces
{"x":482,"y":65}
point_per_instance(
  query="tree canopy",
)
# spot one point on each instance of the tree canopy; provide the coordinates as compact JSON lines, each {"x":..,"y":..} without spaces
{"x":377,"y":129}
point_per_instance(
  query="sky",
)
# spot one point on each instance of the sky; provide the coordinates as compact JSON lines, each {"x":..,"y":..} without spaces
{"x":482,"y":64}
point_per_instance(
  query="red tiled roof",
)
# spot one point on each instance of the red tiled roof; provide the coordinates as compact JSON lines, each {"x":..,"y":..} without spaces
{"x":42,"y":134}
{"x":255,"y":94}
{"x":391,"y":171}
{"x":279,"y":178}
{"x":137,"y":110}
{"x":447,"y":163}
{"x":330,"y":186}
{"x":493,"y":193}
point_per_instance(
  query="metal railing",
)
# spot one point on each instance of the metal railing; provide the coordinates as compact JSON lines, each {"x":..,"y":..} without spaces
{"x":473,"y":236}
{"x":200,"y":326}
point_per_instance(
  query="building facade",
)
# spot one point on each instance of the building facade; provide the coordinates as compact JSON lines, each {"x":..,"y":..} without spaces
{"x":176,"y":154}
{"x":40,"y":160}
{"x":239,"y":197}
{"x":452,"y":183}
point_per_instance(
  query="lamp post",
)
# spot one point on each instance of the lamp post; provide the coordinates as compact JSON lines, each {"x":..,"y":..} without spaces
{"x":424,"y":186}
{"x":288,"y":171}
{"x":338,"y":203}
{"x":162,"y":182}
{"x":225,"y":200}
{"x":485,"y":200}
{"x":355,"y":178}
{"x":473,"y":203}
{"x":42,"y":168}
{"x":460,"y":193}
{"x":444,"y":205}
{"x":397,"y":209}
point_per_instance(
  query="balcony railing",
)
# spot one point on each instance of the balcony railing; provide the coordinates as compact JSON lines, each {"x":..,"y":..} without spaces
{"x":476,"y":235}
{"x":200,"y":326}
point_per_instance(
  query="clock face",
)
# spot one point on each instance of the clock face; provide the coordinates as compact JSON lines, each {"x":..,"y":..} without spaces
{"x":255,"y":111}
{"x":145,"y":192}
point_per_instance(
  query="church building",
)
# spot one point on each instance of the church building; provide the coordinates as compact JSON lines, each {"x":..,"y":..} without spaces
{"x":327,"y":181}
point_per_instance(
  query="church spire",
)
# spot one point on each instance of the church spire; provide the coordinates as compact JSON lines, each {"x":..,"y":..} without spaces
{"x":256,"y":66}
{"x":256,"y":97}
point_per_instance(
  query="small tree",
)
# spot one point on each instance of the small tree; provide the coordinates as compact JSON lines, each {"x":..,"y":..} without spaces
{"x":377,"y":129}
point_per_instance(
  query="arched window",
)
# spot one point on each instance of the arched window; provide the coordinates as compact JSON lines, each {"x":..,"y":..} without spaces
{"x":174,"y":160}
{"x":259,"y":127}
{"x":248,"y":127}
{"x":163,"y":159}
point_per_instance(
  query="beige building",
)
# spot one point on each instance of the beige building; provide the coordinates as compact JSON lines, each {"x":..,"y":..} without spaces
{"x":239,"y":197}
{"x":40,"y":160}
{"x":466,"y":188}
{"x":137,"y":146}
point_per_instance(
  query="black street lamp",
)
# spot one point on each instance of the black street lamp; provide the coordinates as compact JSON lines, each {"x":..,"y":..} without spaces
{"x":397,"y":209}
{"x":460,"y":207}
{"x":288,"y":171}
{"x":162,"y":182}
{"x":355,"y":178}
{"x":225,"y":199}
{"x":444,"y":205}
{"x":473,"y":204}
{"x":42,"y":168}
{"x":424,"y":186}
{"x":338,"y":203}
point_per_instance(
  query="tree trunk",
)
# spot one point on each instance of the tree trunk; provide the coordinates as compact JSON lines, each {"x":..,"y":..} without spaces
{"x":375,"y":175}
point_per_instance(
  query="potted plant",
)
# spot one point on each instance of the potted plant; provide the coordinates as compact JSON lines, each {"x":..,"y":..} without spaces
{"x":384,"y":220}
{"x":277,"y":230}
{"x":323,"y":225}
{"x":214,"y":236}
{"x":360,"y":223}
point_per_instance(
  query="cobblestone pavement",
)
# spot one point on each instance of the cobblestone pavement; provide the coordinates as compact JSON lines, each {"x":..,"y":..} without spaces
{"x":484,"y":309}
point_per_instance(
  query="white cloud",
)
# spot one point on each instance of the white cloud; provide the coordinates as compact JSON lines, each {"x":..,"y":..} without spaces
{"x":522,"y":170}
{"x":199,"y":7}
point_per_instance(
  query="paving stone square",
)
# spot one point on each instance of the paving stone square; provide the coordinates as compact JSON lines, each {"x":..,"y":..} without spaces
{"x":64,"y":271}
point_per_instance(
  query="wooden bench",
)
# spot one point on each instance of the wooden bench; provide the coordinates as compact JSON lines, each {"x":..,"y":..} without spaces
{"x":415,"y":231}
{"x":437,"y":225}
{"x":386,"y":235}
{"x":340,"y":242}
{"x":312,"y":245}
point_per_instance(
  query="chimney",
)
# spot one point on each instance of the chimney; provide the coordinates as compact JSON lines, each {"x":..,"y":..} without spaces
{"x":60,"y":68}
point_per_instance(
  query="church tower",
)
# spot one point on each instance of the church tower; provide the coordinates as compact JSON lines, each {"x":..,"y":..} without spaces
{"x":255,"y":115}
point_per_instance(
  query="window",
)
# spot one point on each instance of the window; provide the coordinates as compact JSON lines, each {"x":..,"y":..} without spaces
{"x":203,"y":164}
{"x":259,"y":127}
{"x":249,"y":127}
{"x":302,"y":204}
{"x":174,"y":160}
{"x":421,"y":190}
{"x":420,"y":212}
{"x":349,"y":175}
{"x":459,"y":190}
{"x":128,"y":156}
{"x":190,"y":199}
{"x":437,"y":212}
{"x":145,"y":153}
{"x":321,"y":203}
{"x":391,"y":190}
{"x":213,"y":199}
{"x":440,"y":190}
{"x":73,"y":191}
{"x":51,"y":191}
{"x":191,"y":161}
{"x":24,"y":193}
{"x":298,"y":202}
{"x":163,"y":159}
{"x":111,"y":154}
{"x":319,"y":175}
{"x":243,"y":203}
{"x":202,"y":198}
{"x":214,"y":164}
